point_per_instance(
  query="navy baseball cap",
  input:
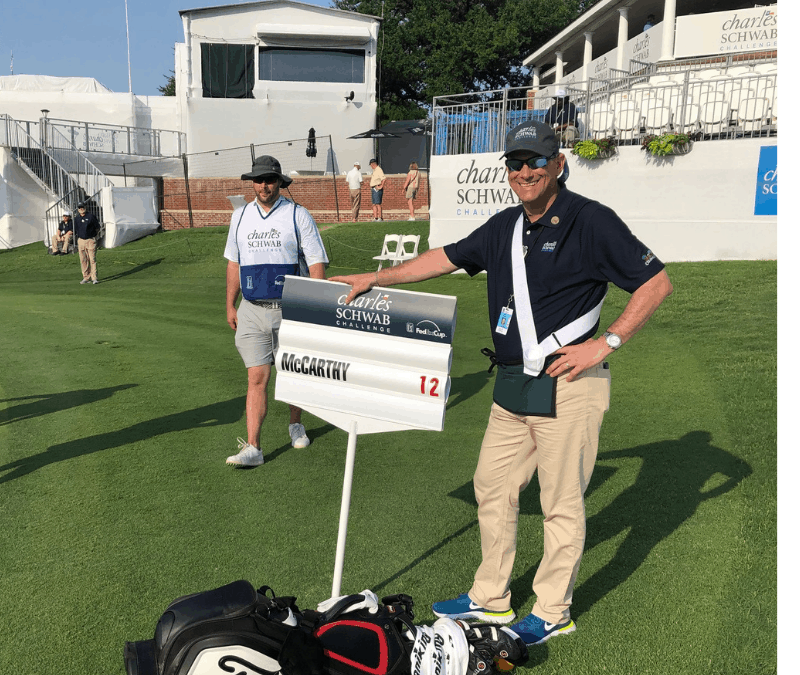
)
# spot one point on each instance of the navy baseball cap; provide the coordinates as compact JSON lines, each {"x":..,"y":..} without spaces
{"x":536,"y":137}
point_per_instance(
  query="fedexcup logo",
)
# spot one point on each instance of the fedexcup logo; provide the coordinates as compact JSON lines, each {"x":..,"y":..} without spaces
{"x":428,"y":327}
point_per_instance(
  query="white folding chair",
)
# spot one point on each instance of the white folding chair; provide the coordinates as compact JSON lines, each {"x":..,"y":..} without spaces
{"x":736,"y":71}
{"x":657,"y":120}
{"x":408,"y":248}
{"x":753,"y":115}
{"x":736,"y":97}
{"x":764,"y":68}
{"x":690,"y":114}
{"x":707,"y":74}
{"x":392,"y":245}
{"x":660,"y":79}
{"x":601,"y":122}
{"x":714,"y":111}
{"x":628,"y":120}
{"x":649,"y":103}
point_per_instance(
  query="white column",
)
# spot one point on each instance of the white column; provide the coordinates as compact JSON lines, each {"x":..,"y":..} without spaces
{"x":622,"y":35}
{"x":668,"y":34}
{"x":536,"y":72}
{"x":559,"y":67}
{"x":587,"y":53}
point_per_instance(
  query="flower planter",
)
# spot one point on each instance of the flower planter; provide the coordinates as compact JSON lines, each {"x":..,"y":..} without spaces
{"x":682,"y":149}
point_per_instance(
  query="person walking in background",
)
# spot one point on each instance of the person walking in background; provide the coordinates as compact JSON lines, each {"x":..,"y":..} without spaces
{"x":354,"y":180}
{"x":411,"y":186}
{"x":86,"y":230}
{"x":62,"y":236}
{"x":376,"y":182}
{"x":269,"y":238}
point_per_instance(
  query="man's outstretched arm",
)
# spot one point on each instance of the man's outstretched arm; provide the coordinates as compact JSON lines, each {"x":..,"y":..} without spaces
{"x":433,"y":263}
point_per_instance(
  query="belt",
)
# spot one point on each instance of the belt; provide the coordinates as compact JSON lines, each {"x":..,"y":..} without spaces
{"x":269,"y":304}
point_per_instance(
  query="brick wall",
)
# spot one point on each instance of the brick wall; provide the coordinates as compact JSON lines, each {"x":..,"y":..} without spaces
{"x":210,"y":204}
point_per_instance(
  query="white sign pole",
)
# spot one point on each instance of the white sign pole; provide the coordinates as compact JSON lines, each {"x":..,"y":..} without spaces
{"x":344,"y":513}
{"x":381,"y":363}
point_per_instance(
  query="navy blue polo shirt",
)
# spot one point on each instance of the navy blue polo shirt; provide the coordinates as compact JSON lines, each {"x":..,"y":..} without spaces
{"x":582,"y":246}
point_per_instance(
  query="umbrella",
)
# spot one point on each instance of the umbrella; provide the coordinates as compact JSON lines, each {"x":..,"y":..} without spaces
{"x":374,"y":133}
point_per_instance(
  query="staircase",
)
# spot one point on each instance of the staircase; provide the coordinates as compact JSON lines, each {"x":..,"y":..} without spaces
{"x":59,"y":168}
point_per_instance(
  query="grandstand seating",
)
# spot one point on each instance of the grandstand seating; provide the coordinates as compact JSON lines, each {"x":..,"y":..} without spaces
{"x":716,"y":102}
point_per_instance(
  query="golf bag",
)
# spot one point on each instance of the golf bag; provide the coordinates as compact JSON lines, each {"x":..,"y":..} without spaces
{"x":237,"y":629}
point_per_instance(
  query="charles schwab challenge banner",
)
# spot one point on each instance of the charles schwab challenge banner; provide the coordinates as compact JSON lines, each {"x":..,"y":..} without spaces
{"x":742,"y":30}
{"x":767,"y":182}
{"x":466,"y":191}
{"x":382,"y":311}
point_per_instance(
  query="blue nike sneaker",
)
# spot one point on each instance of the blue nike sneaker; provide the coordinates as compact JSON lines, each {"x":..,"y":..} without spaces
{"x":462,"y":607}
{"x":534,"y":630}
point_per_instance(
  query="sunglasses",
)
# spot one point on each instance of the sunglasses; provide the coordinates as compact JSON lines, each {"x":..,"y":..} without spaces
{"x":533,"y":163}
{"x":267,"y":179}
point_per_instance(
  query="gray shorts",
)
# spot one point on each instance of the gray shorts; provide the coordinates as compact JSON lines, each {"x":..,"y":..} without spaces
{"x":257,"y":334}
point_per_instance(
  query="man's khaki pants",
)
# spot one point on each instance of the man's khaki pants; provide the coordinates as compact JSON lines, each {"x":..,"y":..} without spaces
{"x":563,"y":449}
{"x":59,"y":238}
{"x":87,"y":249}
{"x":355,"y":202}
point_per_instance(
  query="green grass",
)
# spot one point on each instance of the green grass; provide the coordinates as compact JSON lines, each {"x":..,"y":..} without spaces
{"x":119,"y":403}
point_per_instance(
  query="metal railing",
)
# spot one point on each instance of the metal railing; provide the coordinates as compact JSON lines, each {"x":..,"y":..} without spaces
{"x":119,"y":139}
{"x":52,"y":216}
{"x":703,"y":103}
{"x":62,"y":171}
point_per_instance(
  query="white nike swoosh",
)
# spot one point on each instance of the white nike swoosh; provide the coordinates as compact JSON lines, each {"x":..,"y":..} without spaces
{"x":549,"y":626}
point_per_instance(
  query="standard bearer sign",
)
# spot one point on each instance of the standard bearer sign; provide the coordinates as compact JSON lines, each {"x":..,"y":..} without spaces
{"x":383,"y":360}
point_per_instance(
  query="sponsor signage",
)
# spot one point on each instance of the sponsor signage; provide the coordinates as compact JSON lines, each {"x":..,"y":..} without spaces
{"x":469,"y":190}
{"x":383,"y":360}
{"x":767,"y":182}
{"x":741,"y":30}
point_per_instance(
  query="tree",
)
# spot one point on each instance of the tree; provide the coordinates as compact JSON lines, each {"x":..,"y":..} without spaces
{"x":430,"y":48}
{"x":169,"y":88}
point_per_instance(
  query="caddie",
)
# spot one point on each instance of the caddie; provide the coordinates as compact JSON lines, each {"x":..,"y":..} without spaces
{"x":269,"y":238}
{"x":548,"y":261}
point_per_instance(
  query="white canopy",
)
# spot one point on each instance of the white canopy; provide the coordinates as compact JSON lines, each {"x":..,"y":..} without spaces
{"x":76,"y":85}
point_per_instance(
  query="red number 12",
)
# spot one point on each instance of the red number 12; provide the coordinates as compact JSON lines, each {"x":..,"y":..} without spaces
{"x":434,"y":384}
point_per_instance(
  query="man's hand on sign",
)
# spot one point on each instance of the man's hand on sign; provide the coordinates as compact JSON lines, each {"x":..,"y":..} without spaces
{"x":361,"y":283}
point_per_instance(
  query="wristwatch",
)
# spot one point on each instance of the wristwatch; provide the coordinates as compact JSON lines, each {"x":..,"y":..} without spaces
{"x":613,"y":340}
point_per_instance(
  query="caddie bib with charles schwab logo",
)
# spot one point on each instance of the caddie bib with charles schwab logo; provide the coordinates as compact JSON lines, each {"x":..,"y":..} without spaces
{"x":268,"y":251}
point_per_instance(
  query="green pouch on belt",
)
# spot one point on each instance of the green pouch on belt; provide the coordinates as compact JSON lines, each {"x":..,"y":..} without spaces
{"x":524,"y":394}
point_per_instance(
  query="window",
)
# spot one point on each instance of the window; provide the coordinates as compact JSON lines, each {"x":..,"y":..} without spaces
{"x":311,"y":65}
{"x":228,"y":70}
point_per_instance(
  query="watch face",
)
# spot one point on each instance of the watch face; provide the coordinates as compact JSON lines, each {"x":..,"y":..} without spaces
{"x":613,"y":341}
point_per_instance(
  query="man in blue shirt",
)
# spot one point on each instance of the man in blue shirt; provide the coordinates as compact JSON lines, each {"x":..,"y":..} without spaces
{"x":86,"y":230}
{"x":548,"y":263}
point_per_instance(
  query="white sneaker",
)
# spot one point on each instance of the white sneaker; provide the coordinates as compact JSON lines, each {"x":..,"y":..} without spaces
{"x":248,"y":455}
{"x":412,"y":218}
{"x":298,"y":435}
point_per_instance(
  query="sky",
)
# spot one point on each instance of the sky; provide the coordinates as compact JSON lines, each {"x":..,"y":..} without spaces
{"x":87,"y":38}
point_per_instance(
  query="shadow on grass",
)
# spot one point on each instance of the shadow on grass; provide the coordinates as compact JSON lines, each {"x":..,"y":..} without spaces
{"x":225,"y":412}
{"x":465,"y":387}
{"x":38,"y":405}
{"x":675,"y":478}
{"x":134,"y":270}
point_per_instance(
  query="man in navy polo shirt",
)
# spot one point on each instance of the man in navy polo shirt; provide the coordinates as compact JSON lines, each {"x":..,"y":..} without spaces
{"x":548,"y":263}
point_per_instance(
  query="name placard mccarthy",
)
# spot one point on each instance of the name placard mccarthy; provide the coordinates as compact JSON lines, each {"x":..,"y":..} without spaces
{"x":383,"y":360}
